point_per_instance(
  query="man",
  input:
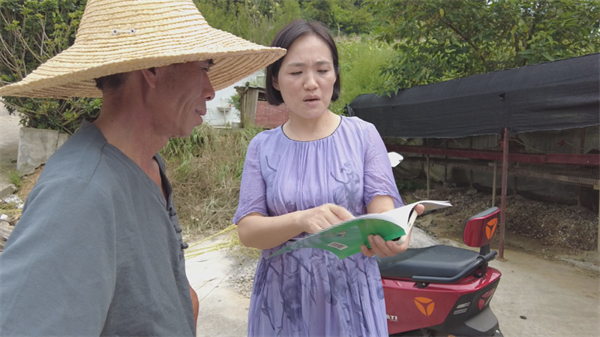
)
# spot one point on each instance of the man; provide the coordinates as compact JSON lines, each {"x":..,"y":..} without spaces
{"x":98,"y":249}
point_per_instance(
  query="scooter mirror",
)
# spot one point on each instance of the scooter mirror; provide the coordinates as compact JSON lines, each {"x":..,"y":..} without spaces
{"x":480,"y":228}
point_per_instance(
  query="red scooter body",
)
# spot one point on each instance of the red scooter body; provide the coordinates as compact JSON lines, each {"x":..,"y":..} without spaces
{"x":443,"y":290}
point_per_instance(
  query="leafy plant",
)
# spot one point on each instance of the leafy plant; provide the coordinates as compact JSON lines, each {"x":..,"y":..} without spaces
{"x":32,"y":32}
{"x":361,"y":61}
{"x":408,"y":185}
{"x":235,"y":101}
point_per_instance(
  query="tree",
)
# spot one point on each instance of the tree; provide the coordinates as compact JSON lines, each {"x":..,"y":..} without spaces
{"x":440,"y":40}
{"x":352,"y":19}
{"x":343,"y":16}
{"x":31,"y":32}
{"x":255,"y":20}
{"x":361,"y":61}
{"x":320,"y":10}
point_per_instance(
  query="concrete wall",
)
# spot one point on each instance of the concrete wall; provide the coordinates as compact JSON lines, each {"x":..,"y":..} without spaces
{"x":36,"y":146}
{"x":3,"y":110}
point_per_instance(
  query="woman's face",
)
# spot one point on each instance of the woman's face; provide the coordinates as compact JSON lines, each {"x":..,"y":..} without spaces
{"x":306,"y":77}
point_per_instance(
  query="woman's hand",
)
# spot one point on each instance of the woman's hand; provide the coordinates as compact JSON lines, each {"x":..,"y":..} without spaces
{"x":389,"y":248}
{"x":318,"y":218}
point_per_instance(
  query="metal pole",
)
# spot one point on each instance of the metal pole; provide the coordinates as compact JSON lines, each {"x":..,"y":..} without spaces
{"x":503,"y":196}
{"x":471,"y":171}
{"x":471,"y":178}
{"x":582,"y":151}
{"x":428,"y":176}
{"x":598,"y":188}
{"x":494,"y":184}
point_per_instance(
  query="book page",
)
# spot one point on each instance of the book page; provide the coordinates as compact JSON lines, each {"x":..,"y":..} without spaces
{"x":402,"y":213}
{"x":345,"y":239}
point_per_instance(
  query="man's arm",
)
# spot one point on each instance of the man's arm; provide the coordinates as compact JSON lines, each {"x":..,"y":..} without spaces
{"x":195,"y":305}
{"x":58,"y":269}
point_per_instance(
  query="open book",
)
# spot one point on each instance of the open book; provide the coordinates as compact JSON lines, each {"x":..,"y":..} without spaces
{"x":345,"y":238}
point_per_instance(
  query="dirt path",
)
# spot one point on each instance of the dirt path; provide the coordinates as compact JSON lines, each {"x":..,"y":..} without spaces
{"x":537,"y":297}
{"x":544,"y":290}
{"x":540,"y":296}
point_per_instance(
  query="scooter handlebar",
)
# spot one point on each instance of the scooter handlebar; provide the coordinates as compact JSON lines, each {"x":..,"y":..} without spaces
{"x":472,"y":266}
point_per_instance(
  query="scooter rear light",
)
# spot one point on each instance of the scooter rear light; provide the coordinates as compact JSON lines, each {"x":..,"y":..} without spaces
{"x":461,"y":308}
{"x":485,"y":299}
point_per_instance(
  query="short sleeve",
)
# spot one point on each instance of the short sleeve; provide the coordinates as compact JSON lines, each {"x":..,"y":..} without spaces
{"x":58,"y":270}
{"x":378,"y":175}
{"x":252,"y":189}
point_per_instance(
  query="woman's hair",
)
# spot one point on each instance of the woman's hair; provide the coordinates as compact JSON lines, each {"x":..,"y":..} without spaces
{"x":284,"y":39}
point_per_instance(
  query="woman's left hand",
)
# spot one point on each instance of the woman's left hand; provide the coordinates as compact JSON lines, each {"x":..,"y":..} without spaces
{"x":389,"y":248}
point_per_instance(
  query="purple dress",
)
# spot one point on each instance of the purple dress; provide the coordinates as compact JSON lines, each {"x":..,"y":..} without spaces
{"x":310,"y":292}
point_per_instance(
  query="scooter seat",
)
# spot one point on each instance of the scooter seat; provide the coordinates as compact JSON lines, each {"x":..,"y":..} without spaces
{"x":438,"y":261}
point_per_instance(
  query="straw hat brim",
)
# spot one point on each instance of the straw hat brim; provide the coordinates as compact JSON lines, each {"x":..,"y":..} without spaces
{"x":153,"y":43}
{"x":80,"y":81}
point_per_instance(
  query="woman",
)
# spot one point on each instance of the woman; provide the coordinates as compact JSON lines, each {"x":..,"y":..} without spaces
{"x":317,"y":170}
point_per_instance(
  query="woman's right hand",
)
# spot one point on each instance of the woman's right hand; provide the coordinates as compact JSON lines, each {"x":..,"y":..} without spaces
{"x":318,"y":218}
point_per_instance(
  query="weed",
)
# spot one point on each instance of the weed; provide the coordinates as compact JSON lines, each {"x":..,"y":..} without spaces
{"x":408,"y":185}
{"x":15,"y":179}
{"x":205,"y":170}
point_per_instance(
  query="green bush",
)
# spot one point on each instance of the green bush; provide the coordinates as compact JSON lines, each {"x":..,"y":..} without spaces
{"x":32,"y":32}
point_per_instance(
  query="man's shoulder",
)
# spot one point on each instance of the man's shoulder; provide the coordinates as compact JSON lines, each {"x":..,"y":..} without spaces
{"x":86,"y":156}
{"x":77,"y":158}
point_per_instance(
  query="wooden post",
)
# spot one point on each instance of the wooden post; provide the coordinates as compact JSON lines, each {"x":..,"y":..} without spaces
{"x":503,"y":196}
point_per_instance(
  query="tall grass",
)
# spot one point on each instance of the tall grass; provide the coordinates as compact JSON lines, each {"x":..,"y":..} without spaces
{"x":205,"y":170}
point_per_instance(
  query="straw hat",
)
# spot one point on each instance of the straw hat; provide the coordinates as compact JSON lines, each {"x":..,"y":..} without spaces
{"x":117,"y":36}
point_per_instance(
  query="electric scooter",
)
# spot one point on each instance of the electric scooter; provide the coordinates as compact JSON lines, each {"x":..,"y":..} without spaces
{"x":442,"y":290}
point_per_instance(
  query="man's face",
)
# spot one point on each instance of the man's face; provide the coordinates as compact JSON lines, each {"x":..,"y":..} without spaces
{"x":183,"y":93}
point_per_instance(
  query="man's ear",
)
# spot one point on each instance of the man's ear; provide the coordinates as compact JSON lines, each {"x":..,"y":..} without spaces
{"x":275,"y":82}
{"x":151,"y":77}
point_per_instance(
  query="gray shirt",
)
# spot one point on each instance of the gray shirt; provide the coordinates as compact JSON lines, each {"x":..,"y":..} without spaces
{"x":97,"y":251}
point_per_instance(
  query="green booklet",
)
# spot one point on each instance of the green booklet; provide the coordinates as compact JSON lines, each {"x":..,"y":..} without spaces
{"x":345,"y":238}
